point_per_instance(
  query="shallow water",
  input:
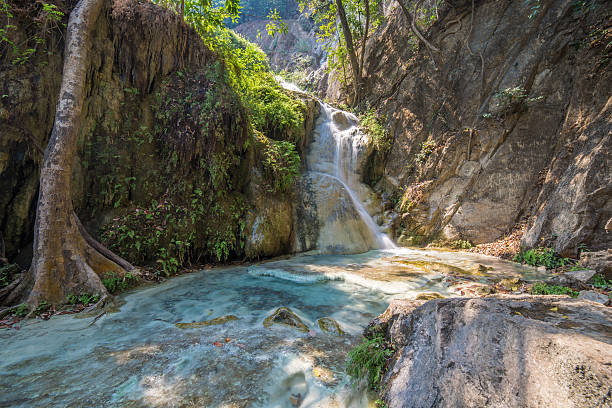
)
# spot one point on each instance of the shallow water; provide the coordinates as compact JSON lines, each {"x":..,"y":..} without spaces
{"x":137,"y":357}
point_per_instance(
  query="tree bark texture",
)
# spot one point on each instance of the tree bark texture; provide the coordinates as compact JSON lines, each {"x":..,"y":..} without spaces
{"x":64,"y":262}
{"x":348,"y":38}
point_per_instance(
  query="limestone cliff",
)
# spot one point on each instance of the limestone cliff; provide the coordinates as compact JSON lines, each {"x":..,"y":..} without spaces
{"x":509,"y":125}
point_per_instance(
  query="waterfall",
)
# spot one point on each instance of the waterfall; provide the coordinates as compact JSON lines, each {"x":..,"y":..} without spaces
{"x":335,"y":152}
{"x":332,"y":200}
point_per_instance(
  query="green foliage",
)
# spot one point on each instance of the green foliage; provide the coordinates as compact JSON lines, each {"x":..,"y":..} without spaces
{"x":461,"y":244}
{"x":600,"y":281}
{"x":427,"y":148}
{"x":511,"y":100}
{"x":22,"y":310}
{"x":204,"y":15}
{"x":330,"y":33}
{"x":261,"y":9}
{"x":368,"y":360}
{"x":274,"y":113}
{"x":373,"y":126}
{"x":380,"y":404}
{"x":542,"y":288}
{"x":541,"y":257}
{"x":281,"y":163}
{"x":42,"y":308}
{"x":43,"y":18}
{"x":115,"y":283}
{"x":82,"y":299}
{"x":7,"y":273}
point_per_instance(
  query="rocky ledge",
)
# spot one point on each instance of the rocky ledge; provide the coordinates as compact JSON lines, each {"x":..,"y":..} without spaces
{"x":498,"y":351}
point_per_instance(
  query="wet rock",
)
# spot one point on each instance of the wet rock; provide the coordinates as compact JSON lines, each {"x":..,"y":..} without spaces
{"x":582,"y":275}
{"x":593,"y":296}
{"x":327,"y":218}
{"x":600,"y":261}
{"x":329,"y":325}
{"x":429,"y":296}
{"x":510,"y":351}
{"x":286,"y":317}
{"x":268,"y":223}
{"x":212,"y":322}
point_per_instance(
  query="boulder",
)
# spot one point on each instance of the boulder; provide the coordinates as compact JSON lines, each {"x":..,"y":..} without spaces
{"x":285,"y":316}
{"x":501,"y":351}
{"x":582,"y":275}
{"x":326,"y":217}
{"x":593,"y":296}
{"x":600,"y":261}
{"x":329,"y":325}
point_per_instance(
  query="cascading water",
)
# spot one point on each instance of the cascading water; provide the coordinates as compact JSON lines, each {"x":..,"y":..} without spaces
{"x":340,"y":203}
{"x":338,"y":133}
{"x":334,"y":153}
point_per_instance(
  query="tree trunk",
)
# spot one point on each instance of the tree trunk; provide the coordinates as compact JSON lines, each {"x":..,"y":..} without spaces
{"x":365,"y":35}
{"x":64,"y":262}
{"x":348,"y":38}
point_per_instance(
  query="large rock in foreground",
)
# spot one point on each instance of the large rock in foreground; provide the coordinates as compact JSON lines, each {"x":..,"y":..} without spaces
{"x":512,"y":351}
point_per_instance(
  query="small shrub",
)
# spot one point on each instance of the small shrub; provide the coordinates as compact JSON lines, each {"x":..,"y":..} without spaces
{"x":42,"y":308}
{"x":115,"y":283}
{"x":22,"y":310}
{"x":373,"y":126}
{"x":461,"y":244}
{"x":541,"y":257}
{"x":511,"y":100}
{"x":82,"y":299}
{"x":368,"y":360}
{"x":427,"y":148}
{"x":542,"y":288}
{"x":600,"y":282}
{"x":281,"y":163}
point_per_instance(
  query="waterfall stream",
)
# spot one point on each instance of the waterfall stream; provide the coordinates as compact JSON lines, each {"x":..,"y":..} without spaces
{"x":334,"y":151}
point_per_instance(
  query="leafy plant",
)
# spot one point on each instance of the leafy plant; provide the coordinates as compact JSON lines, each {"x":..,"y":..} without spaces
{"x":461,"y":244}
{"x":281,"y":163}
{"x":368,"y":360}
{"x":22,"y":310}
{"x":373,"y":126}
{"x":511,"y":100}
{"x":427,"y":147}
{"x":82,"y":299}
{"x":46,"y":18}
{"x":115,"y":283}
{"x":542,"y":288}
{"x":6,"y":274}
{"x":600,"y":282}
{"x":542,"y":257}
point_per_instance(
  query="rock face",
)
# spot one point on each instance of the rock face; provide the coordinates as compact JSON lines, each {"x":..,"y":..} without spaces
{"x":327,"y":219}
{"x":600,"y":261}
{"x":512,"y":351}
{"x":511,"y":124}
